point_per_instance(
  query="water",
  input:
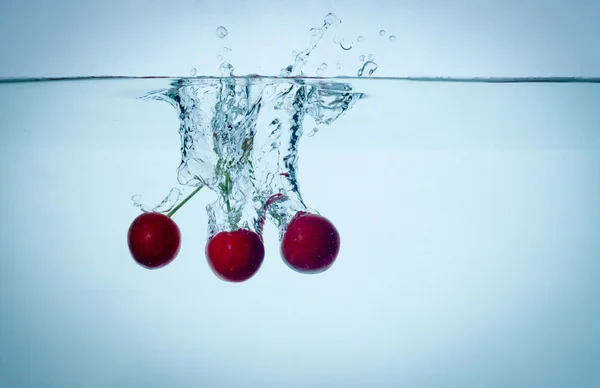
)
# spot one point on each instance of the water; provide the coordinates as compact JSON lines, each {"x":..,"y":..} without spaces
{"x":239,"y":138}
{"x":468,"y":215}
{"x":467,"y":208}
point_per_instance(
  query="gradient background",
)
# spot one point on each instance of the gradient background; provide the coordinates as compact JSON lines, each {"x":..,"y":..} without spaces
{"x":469,"y":214}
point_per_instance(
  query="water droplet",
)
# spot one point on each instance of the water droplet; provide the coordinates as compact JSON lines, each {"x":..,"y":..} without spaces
{"x":345,"y":46}
{"x":323,"y":66}
{"x":336,"y":40}
{"x":339,"y":21}
{"x":382,"y":32}
{"x":220,"y":57}
{"x":222,"y":32}
{"x":371,"y":57}
{"x":136,"y":198}
{"x":392,"y":37}
{"x":294,"y":53}
{"x":193,"y":71}
{"x":320,"y":71}
{"x":226,"y":69}
{"x":300,"y":60}
{"x":338,"y":65}
{"x":362,"y":58}
{"x":330,"y":19}
{"x":312,"y":133}
{"x":314,"y":31}
{"x":226,"y":49}
{"x":361,"y":38}
{"x":368,"y":69}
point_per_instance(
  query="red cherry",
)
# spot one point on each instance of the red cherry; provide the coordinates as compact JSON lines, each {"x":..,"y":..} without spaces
{"x":310,"y":243}
{"x":154,"y":240}
{"x":235,"y":256}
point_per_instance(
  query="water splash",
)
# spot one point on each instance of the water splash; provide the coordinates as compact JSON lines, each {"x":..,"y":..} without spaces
{"x":240,"y":135}
{"x":368,"y":69}
{"x":316,"y":34}
{"x":165,"y":206}
{"x":241,"y":141}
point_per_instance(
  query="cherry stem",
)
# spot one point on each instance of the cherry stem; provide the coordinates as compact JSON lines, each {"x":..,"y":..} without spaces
{"x":170,"y":214}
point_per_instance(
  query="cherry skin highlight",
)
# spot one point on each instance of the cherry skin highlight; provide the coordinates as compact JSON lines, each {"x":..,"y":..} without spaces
{"x":154,"y":240}
{"x":235,"y":256}
{"x":310,"y":243}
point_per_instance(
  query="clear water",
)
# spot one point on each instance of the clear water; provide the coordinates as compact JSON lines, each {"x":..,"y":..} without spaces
{"x":467,"y":208}
{"x":469,"y":220}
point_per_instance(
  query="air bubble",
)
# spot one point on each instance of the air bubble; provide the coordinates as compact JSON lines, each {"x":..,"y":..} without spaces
{"x":361,"y":38}
{"x":362,"y":58}
{"x":222,"y":32}
{"x":392,"y":37}
{"x":338,"y":65}
{"x":371,"y":57}
{"x":226,"y":49}
{"x":323,"y":66}
{"x":320,"y":71}
{"x":193,"y":71}
{"x":382,"y":32}
{"x":220,"y":57}
{"x":294,"y":53}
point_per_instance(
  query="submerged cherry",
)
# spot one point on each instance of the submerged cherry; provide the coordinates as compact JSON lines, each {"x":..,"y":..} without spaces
{"x":235,"y":256}
{"x":154,"y":240}
{"x":310,"y":243}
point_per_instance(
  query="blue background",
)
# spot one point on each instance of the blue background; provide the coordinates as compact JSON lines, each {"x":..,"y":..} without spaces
{"x":468,"y":214}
